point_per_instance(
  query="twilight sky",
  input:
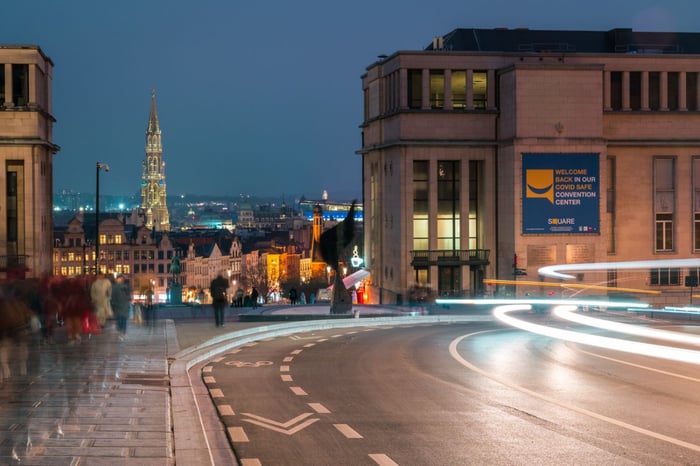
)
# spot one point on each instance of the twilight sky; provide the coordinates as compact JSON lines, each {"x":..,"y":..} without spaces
{"x":254,"y":97}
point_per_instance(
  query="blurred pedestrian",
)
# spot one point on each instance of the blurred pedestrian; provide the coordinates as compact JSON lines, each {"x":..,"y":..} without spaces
{"x":302,"y":298}
{"x":254,"y":297}
{"x":121,"y":301}
{"x":218,"y":288}
{"x":75,"y":302}
{"x":101,"y":296}
{"x":149,"y":310}
{"x":293,"y":296}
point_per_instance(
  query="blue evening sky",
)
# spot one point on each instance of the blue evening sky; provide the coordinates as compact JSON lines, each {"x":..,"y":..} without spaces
{"x":256,"y":97}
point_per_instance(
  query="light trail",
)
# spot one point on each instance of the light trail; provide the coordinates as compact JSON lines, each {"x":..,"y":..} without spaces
{"x":545,"y":301}
{"x":627,"y":328}
{"x":495,"y":281}
{"x":616,"y":344}
{"x":553,"y":271}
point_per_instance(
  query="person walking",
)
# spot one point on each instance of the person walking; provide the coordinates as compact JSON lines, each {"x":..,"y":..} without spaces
{"x":218,"y":288}
{"x":293,"y":296}
{"x":101,"y":295}
{"x":121,"y":299}
{"x":254,"y":297}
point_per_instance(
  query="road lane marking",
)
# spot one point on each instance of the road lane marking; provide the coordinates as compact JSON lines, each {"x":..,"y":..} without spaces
{"x":237,"y":434}
{"x":249,"y":364}
{"x":219,"y":359}
{"x":347,"y":431}
{"x":216,"y":393}
{"x":288,"y":359}
{"x":286,"y":378}
{"x":207,"y":369}
{"x":282,"y":427}
{"x":250,"y":462}
{"x":382,"y":460}
{"x":226,"y":410}
{"x":298,"y":391}
{"x":296,"y":351}
{"x":337,"y":336}
{"x":252,"y":343}
{"x":237,"y":350}
{"x":284,"y":368}
{"x":309,"y":345}
{"x":319,"y":408}
{"x":209,"y":379}
{"x":321,"y":340}
{"x":640,"y":430}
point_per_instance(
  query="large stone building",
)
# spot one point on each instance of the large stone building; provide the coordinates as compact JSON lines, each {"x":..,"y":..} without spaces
{"x":491,"y":153}
{"x":26,"y":155}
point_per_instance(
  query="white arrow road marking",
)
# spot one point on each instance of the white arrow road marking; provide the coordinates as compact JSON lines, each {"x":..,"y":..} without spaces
{"x":280,"y":426}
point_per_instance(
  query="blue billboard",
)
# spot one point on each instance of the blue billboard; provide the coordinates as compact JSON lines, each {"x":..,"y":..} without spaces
{"x":561,"y":193}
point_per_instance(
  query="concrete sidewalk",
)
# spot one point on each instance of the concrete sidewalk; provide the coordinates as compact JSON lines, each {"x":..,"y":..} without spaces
{"x":105,"y":401}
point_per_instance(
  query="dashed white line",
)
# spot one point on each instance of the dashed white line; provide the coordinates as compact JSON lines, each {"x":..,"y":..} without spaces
{"x":347,"y":431}
{"x":252,"y":343}
{"x":288,"y":359}
{"x":209,"y":379}
{"x":321,"y":340}
{"x":219,"y":359}
{"x":250,"y":462}
{"x":207,"y":369}
{"x":309,"y":345}
{"x":284,"y":368}
{"x":216,"y":393}
{"x":336,"y":336}
{"x":382,"y":459}
{"x":286,"y":378}
{"x":237,"y":350}
{"x":237,"y":434}
{"x":296,"y":351}
{"x":298,"y":391}
{"x":226,"y":410}
{"x":319,"y":408}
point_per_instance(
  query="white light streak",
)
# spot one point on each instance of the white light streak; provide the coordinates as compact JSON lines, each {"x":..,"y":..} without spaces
{"x":548,"y":302}
{"x":627,"y":328}
{"x":553,"y":271}
{"x":644,"y":349}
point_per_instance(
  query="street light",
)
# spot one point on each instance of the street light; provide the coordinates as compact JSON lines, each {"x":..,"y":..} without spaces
{"x":100,"y":166}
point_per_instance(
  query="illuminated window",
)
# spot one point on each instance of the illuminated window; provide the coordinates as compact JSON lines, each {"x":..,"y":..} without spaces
{"x":420,"y":205}
{"x":437,"y":89}
{"x":448,"y":220}
{"x":459,"y":89}
{"x":480,"y":87}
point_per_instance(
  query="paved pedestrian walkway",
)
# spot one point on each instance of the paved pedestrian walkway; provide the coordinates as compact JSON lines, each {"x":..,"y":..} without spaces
{"x":105,"y":401}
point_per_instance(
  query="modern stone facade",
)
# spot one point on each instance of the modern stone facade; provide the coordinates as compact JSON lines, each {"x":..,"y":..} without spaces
{"x":26,"y":161}
{"x":492,"y":153}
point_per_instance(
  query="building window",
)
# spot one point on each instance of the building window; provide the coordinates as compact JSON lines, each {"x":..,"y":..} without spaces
{"x":664,"y":202}
{"x":415,"y":88}
{"x":14,"y":199}
{"x":459,"y":89}
{"x":616,"y":90}
{"x":437,"y":89}
{"x":480,"y":87}
{"x":673,"y":80}
{"x":610,"y":204}
{"x":665,"y":277}
{"x":654,"y":90}
{"x":421,"y":240}
{"x":696,"y":203}
{"x":691,"y":91}
{"x":635,"y":90}
{"x":2,"y":84}
{"x":475,"y":175}
{"x":448,"y":221}
{"x":20,"y":85}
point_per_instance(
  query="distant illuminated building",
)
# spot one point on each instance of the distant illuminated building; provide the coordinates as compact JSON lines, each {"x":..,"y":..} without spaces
{"x":153,"y":197}
{"x":331,"y":210}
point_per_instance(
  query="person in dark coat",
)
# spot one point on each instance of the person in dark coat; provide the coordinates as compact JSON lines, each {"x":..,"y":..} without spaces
{"x":218,"y":288}
{"x":254,"y":297}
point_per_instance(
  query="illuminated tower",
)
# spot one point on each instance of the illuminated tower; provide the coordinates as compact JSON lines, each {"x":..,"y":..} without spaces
{"x":153,"y":178}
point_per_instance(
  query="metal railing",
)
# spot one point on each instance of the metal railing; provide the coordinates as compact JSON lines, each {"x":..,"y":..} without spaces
{"x":450,"y":257}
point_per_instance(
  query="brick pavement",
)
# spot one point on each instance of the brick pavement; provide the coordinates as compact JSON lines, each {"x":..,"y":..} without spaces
{"x":100,"y":402}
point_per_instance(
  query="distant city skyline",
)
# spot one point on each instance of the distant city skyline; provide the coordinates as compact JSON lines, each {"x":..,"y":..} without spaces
{"x":260,"y":98}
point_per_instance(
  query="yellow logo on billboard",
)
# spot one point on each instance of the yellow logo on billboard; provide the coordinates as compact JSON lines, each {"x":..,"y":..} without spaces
{"x":540,"y":183}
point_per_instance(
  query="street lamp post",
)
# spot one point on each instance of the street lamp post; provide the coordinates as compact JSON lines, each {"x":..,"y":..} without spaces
{"x":100,"y":166}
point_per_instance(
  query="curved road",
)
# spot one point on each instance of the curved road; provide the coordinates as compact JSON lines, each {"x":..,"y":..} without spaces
{"x":453,"y":394}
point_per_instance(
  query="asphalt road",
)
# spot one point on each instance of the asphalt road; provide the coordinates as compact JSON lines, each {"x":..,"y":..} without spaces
{"x":453,"y":394}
